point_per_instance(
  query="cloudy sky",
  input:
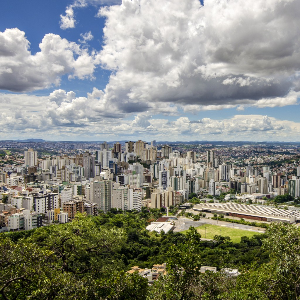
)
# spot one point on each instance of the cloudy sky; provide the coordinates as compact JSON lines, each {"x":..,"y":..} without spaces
{"x":150,"y":69}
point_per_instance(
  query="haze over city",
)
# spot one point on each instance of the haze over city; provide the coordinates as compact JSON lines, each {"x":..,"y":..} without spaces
{"x":166,"y":70}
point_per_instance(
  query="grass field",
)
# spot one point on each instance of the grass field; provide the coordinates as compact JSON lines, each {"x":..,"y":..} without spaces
{"x":234,"y":233}
{"x":7,"y":152}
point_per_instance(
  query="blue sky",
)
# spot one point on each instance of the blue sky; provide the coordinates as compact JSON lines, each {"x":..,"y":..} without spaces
{"x":137,"y":69}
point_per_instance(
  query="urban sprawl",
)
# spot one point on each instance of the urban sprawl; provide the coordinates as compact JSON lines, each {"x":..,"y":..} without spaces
{"x":50,"y":182}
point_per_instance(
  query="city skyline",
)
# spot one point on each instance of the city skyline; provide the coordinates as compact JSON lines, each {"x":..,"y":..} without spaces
{"x":86,"y":70}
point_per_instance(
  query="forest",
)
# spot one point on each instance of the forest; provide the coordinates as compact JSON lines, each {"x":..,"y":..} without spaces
{"x":89,"y":257}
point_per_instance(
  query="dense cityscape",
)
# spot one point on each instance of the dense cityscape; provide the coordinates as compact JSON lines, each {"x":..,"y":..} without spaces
{"x":45,"y":182}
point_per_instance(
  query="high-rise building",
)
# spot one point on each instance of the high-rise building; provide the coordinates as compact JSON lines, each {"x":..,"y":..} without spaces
{"x":101,"y":193}
{"x":106,"y":195}
{"x":103,"y":157}
{"x":217,"y":161}
{"x":224,"y":171}
{"x":263,"y":185}
{"x":120,"y":197}
{"x":117,"y":148}
{"x":44,"y":202}
{"x":294,"y":187}
{"x":30,"y":158}
{"x":276,"y":181}
{"x":139,"y":147}
{"x":166,"y":198}
{"x":153,"y":154}
{"x":244,"y":188}
{"x":164,"y":179}
{"x":249,"y":171}
{"x":73,"y":207}
{"x":210,"y":158}
{"x":66,"y":195}
{"x":166,"y":150}
{"x":129,"y":147}
{"x":191,"y":155}
{"x":104,"y":146}
{"x":135,"y":199}
{"x":88,"y":165}
{"x":177,"y":183}
{"x":212,"y":187}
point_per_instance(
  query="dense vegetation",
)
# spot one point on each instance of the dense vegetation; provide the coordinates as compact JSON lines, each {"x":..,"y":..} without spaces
{"x":88,"y":259}
{"x":241,"y":221}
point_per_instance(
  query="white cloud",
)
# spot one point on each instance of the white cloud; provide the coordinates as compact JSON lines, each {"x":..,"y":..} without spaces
{"x":22,"y":71}
{"x":224,"y":54}
{"x":290,"y":99}
{"x":68,"y":20}
{"x":86,"y":37}
{"x":63,"y":115}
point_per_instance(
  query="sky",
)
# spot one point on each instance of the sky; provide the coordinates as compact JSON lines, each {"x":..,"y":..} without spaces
{"x":172,"y":70}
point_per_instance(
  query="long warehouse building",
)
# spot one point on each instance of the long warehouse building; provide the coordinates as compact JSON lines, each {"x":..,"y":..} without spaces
{"x":253,"y":212}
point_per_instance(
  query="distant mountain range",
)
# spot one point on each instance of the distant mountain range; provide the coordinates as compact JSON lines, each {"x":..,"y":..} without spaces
{"x":31,"y":141}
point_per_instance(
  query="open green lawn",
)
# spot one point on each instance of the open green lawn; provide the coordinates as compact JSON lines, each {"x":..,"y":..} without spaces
{"x":234,"y":233}
{"x":7,"y":152}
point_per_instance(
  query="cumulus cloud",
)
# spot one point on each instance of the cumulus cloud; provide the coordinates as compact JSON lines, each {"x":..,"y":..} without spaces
{"x":222,"y":54}
{"x":167,"y":58}
{"x":86,"y":37}
{"x":21,"y":71}
{"x":66,"y":108}
{"x":239,"y":127}
{"x":63,"y":115}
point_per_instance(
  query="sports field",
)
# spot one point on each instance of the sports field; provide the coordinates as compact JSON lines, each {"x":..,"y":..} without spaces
{"x":209,"y":231}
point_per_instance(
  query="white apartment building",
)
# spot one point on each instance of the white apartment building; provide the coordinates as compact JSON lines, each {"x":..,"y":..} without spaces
{"x":31,"y":220}
{"x":62,"y":217}
{"x":17,"y":201}
{"x":42,"y":203}
{"x":15,"y":222}
{"x":135,"y":198}
{"x":120,"y":197}
{"x":30,"y":158}
{"x":66,"y":195}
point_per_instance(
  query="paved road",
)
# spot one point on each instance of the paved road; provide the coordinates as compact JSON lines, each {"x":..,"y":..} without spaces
{"x":184,"y":224}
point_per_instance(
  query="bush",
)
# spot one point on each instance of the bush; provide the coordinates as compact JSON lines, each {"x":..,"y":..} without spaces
{"x":242,"y":221}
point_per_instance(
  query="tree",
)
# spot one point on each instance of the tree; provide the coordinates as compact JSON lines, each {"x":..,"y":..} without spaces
{"x":27,"y":270}
{"x":195,"y":200}
{"x":221,"y":239}
{"x":283,"y":198}
{"x":183,"y":267}
{"x":278,"y":279}
{"x":5,"y":199}
{"x":192,"y":195}
{"x":196,"y":217}
{"x":283,"y":243}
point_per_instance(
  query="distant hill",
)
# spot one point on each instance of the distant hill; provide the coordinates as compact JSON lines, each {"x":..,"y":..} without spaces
{"x":32,"y":141}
